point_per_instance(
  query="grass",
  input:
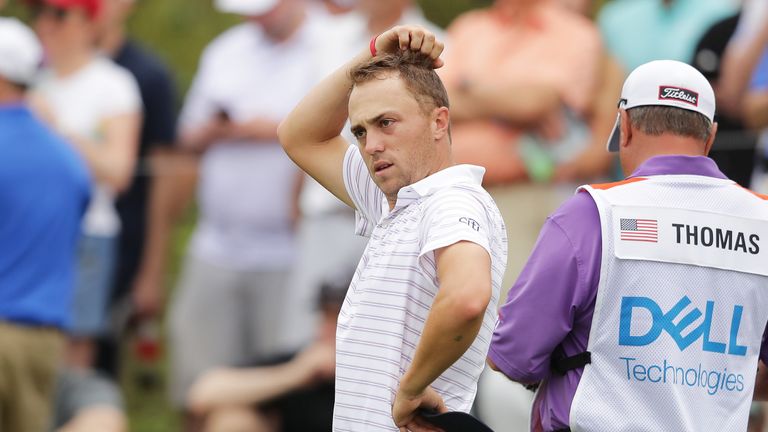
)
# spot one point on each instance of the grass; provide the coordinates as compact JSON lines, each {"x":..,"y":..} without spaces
{"x":144,"y":384}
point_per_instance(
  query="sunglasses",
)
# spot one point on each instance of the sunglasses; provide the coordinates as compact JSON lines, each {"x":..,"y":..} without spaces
{"x":48,"y":11}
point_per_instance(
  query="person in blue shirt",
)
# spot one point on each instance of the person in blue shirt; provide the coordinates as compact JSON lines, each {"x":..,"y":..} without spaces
{"x":44,"y":190}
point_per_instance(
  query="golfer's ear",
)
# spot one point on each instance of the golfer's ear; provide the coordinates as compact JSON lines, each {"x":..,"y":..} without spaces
{"x":441,"y":120}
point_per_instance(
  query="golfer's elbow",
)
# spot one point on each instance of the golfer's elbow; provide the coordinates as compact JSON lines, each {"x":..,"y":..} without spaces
{"x":286,"y":136}
{"x":471,"y":304}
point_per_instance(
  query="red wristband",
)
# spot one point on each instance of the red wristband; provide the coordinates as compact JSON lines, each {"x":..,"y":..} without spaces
{"x":373,"y":46}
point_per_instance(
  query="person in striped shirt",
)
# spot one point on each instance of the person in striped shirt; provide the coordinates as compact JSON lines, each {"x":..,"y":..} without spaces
{"x":418,"y":316}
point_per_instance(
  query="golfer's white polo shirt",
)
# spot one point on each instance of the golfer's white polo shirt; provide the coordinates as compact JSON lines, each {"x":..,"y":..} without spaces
{"x":396,"y":282}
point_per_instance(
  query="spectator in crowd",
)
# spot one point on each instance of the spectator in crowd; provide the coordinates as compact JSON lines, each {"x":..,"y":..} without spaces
{"x":522,"y":76}
{"x":293,"y":394}
{"x":734,"y":147}
{"x":747,"y":57}
{"x":104,"y":131}
{"x":638,"y":31}
{"x":148,"y":207}
{"x":611,"y":264}
{"x":45,"y":189}
{"x":752,"y":35}
{"x":231,"y":300}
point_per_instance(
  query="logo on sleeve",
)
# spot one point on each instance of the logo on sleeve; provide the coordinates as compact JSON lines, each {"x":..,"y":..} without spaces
{"x":677,"y":93}
{"x":470,"y":223}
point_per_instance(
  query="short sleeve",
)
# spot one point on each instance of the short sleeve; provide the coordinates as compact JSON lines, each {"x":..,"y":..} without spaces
{"x":124,"y":97}
{"x":367,"y":197}
{"x":159,"y":111}
{"x":453,"y":215}
{"x":199,"y":105}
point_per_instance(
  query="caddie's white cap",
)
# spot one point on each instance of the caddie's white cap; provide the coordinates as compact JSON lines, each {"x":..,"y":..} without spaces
{"x":667,"y":83}
{"x":246,"y":7}
{"x":20,"y":52}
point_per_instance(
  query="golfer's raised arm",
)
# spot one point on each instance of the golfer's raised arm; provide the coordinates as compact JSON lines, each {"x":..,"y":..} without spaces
{"x":311,"y":134}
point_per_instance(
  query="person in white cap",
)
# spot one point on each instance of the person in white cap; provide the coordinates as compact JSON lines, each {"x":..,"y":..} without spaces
{"x":231,"y":302}
{"x":644,"y":303}
{"x":44,"y":191}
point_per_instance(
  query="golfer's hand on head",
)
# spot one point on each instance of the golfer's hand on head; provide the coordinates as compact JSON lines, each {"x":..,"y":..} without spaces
{"x":405,"y":410}
{"x":414,"y":38}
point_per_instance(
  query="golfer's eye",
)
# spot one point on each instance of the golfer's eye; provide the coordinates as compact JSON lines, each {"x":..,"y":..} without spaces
{"x":359,"y":133}
{"x":386,"y":123}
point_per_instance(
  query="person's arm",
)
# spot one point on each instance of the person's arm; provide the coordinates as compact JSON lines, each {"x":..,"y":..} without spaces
{"x":311,"y":134}
{"x":455,"y":318}
{"x":594,"y":160}
{"x":102,"y":418}
{"x":554,"y":291}
{"x":112,"y":160}
{"x":522,"y":105}
{"x":250,"y":386}
{"x":255,"y":131}
{"x":174,"y":176}
{"x":739,"y":61}
{"x":756,"y":109}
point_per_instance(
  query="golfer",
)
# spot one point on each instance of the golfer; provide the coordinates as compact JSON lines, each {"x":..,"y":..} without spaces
{"x":417,"y":320}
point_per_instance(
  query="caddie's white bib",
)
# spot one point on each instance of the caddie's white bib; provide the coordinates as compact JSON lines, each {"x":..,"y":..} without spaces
{"x":681,"y":306}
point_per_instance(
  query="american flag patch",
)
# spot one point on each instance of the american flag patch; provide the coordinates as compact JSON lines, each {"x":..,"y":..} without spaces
{"x":641,"y":230}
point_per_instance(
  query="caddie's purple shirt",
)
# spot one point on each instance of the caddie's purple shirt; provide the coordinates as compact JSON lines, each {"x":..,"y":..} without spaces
{"x":553,"y":299}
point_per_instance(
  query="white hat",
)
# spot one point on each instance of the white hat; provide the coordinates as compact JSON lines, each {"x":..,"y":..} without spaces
{"x":246,"y":7}
{"x":20,"y":52}
{"x":666,"y":83}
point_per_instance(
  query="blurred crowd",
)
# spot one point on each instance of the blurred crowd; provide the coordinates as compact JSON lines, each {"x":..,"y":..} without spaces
{"x":97,"y":166}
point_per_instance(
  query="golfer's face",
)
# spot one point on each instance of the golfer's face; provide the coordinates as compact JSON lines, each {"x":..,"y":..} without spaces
{"x":392,"y":131}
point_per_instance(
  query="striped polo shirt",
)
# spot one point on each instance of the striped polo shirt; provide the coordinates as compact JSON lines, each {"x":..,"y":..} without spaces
{"x":396,"y":282}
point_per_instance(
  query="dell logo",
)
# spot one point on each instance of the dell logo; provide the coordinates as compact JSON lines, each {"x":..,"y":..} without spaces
{"x":683,"y":331}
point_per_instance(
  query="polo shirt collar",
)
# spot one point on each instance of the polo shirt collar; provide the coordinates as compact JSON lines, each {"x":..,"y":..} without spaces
{"x":679,"y":165}
{"x":452,"y":175}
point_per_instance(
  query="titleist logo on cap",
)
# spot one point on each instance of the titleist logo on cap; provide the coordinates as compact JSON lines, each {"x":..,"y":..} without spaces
{"x":677,"y":93}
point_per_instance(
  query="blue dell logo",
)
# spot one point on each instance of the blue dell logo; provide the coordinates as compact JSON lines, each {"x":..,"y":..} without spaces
{"x":683,"y":331}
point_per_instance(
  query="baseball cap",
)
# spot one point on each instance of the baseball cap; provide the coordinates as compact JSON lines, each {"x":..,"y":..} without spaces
{"x":20,"y":52}
{"x":91,"y":7}
{"x":665,"y":83}
{"x":246,"y":7}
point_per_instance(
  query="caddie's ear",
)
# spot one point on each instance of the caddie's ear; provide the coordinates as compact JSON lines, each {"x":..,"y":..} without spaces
{"x":441,"y":120}
{"x":625,"y":128}
{"x":711,"y":140}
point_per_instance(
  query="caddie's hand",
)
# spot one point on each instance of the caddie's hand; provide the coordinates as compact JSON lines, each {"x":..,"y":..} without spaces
{"x":411,"y":38}
{"x":405,"y":410}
